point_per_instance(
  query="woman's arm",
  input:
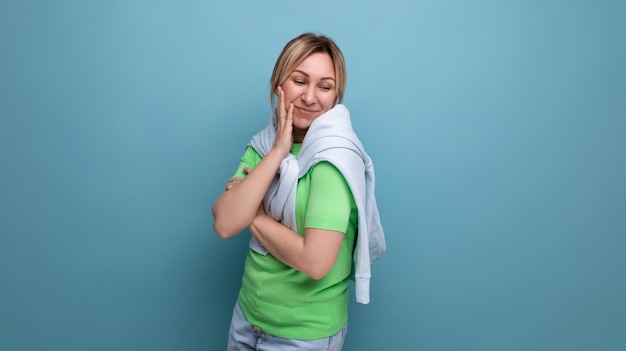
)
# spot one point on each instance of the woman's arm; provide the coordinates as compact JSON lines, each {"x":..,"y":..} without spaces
{"x":236,"y":207}
{"x":313,"y":254}
{"x":330,"y":211}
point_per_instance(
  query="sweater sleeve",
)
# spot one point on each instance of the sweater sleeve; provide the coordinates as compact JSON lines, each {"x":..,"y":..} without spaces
{"x":330,"y":202}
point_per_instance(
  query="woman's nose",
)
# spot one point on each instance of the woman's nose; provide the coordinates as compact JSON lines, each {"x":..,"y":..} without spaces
{"x":308,"y":96}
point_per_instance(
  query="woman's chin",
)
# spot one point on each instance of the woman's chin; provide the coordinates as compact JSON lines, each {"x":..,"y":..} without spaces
{"x":301,"y":124}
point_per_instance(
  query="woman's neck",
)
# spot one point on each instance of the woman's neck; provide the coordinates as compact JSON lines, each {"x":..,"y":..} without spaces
{"x":299,"y":134}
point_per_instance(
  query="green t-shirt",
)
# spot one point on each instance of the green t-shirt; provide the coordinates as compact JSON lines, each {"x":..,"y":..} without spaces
{"x":283,"y":301}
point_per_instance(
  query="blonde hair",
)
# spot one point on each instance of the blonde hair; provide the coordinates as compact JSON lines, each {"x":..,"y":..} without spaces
{"x":297,"y":50}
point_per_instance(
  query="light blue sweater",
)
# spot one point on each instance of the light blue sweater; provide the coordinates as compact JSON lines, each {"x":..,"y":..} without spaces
{"x":330,"y":138}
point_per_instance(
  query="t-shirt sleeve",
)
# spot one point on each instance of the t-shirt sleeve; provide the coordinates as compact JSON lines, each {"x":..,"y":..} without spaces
{"x":250,"y":159}
{"x":330,"y":201}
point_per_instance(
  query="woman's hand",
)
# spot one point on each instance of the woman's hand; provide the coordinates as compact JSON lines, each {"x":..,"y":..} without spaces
{"x":232,"y":182}
{"x":238,"y":206}
{"x":284,"y":129}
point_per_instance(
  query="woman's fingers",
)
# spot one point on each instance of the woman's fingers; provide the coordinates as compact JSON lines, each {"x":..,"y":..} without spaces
{"x":290,"y":115}
{"x":232,"y":182}
{"x":284,"y":122}
{"x":281,"y":103}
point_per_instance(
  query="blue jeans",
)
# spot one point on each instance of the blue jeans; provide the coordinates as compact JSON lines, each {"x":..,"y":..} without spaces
{"x":245,"y":337}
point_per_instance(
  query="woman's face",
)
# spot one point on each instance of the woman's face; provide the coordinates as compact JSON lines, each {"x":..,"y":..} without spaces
{"x":311,"y":87}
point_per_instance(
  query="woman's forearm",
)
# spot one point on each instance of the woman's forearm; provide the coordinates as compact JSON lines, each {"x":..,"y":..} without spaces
{"x":313,"y":254}
{"x":236,"y":208}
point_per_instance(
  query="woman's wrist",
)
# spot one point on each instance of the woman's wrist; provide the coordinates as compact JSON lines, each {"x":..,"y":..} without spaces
{"x":281,"y":150}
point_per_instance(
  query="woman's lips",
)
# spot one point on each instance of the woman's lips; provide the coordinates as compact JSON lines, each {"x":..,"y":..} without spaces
{"x":306,"y":110}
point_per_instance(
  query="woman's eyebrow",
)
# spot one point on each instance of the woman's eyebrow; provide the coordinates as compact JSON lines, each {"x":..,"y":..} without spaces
{"x":305,"y":74}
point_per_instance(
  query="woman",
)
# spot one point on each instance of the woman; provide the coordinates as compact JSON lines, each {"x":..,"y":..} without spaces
{"x":304,"y":188}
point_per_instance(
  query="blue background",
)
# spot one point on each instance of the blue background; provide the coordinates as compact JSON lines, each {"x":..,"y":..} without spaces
{"x":497,"y":129}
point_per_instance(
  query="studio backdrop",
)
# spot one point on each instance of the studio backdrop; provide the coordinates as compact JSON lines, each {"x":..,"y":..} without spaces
{"x":497,"y":130}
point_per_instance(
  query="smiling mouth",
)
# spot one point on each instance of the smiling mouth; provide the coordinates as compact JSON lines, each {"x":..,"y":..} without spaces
{"x":305,"y":110}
